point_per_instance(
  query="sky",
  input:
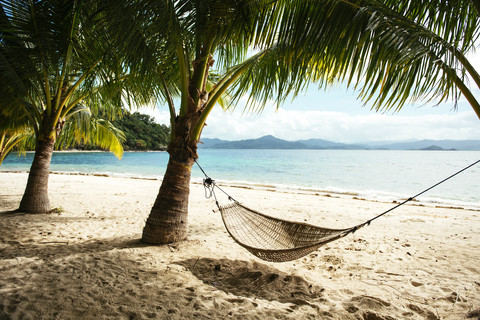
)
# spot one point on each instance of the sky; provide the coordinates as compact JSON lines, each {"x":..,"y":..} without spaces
{"x":336,"y":114}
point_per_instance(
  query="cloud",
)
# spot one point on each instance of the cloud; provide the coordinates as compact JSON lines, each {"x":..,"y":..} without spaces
{"x":351,"y":125}
{"x":342,"y":127}
{"x":161,"y":115}
{"x":336,"y":114}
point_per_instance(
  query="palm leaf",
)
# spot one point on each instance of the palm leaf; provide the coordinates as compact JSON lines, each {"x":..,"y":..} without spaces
{"x":83,"y":128}
{"x":392,"y":57}
{"x":21,"y":140}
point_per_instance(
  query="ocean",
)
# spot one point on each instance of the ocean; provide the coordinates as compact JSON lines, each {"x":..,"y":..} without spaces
{"x":385,"y":175}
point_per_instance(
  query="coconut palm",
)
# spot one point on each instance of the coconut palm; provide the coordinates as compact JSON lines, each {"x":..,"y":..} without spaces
{"x":58,"y":68}
{"x":179,"y":41}
{"x":392,"y":52}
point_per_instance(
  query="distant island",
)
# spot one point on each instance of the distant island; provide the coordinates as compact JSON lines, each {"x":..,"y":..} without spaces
{"x":271,"y":142}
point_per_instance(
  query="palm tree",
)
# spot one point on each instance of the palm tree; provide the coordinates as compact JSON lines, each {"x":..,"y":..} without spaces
{"x":179,"y":41}
{"x":392,"y":52}
{"x":57,"y":68}
{"x":410,"y":51}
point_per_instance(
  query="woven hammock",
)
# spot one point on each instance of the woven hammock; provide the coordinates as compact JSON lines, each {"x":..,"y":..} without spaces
{"x":273,"y":239}
{"x":278,"y":240}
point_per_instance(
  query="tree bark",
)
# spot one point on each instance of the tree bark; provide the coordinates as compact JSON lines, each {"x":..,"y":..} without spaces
{"x":167,"y":221}
{"x":168,"y":218}
{"x":35,"y":198}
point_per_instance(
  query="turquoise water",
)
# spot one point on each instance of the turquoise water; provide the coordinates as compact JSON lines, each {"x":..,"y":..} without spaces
{"x":371,"y":174}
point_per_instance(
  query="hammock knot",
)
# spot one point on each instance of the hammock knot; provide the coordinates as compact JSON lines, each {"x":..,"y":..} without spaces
{"x":209,"y":185}
{"x":208,"y":182}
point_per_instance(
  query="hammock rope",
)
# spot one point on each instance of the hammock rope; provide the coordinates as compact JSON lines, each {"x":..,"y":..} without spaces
{"x":278,"y":240}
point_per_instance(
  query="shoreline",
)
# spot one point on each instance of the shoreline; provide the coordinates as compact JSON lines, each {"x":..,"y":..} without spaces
{"x":394,"y":177}
{"x":360,"y":195}
{"x":86,"y":261}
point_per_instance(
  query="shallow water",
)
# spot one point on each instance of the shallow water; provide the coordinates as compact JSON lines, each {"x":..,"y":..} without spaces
{"x":373,"y":174}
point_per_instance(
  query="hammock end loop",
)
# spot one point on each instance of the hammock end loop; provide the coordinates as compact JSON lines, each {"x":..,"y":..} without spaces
{"x":209,"y":185}
{"x":208,"y":181}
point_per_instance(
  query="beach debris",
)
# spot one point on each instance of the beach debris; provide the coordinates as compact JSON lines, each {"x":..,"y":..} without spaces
{"x":195,"y":263}
{"x":57,"y":210}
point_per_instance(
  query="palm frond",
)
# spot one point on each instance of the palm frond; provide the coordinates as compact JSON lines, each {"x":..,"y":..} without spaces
{"x":391,"y":57}
{"x":83,"y":128}
{"x":21,"y":140}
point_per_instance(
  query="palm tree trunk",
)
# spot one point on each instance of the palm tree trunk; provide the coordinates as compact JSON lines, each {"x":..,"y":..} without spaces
{"x":167,"y":221}
{"x":35,"y":199}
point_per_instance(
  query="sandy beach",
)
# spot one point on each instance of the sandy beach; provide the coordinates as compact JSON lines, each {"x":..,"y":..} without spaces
{"x":86,"y":261}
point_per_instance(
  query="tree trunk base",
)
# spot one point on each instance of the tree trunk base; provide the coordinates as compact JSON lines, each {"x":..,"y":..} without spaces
{"x":159,"y":231}
{"x":35,"y":203}
{"x":35,"y":198}
{"x":167,"y":221}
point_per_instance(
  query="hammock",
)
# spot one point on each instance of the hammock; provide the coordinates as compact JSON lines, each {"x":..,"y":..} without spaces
{"x":273,"y":239}
{"x":278,"y":240}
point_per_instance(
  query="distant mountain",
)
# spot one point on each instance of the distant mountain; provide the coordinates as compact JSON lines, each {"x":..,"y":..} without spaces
{"x":208,"y":143}
{"x":436,"y":148}
{"x":266,"y":142}
{"x":325,"y":144}
{"x":423,"y":144}
{"x":271,"y":142}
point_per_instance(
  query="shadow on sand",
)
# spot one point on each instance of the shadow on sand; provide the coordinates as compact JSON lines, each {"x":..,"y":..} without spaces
{"x":84,"y":280}
{"x":60,"y":249}
{"x":253,"y":279}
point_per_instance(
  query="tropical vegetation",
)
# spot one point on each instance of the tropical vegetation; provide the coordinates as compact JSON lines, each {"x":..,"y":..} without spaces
{"x":137,"y":132}
{"x":14,"y":132}
{"x":58,"y":69}
{"x":142,"y":132}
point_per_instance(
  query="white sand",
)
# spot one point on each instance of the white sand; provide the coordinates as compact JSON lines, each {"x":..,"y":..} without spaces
{"x":86,"y":262}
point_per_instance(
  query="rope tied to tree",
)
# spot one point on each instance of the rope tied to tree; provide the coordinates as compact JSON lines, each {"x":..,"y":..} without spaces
{"x":209,"y":186}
